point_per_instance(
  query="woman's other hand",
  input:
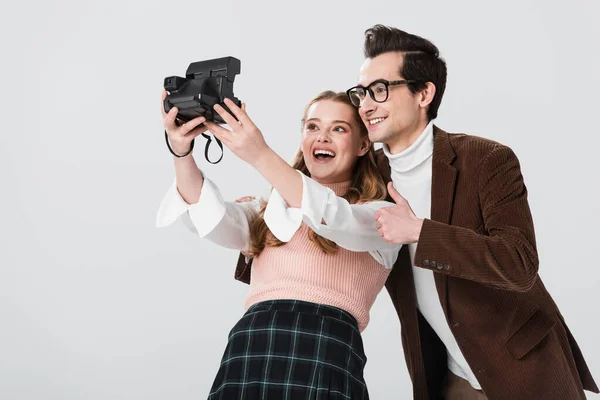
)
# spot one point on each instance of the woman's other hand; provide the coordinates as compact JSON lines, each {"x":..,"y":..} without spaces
{"x":180,"y":136}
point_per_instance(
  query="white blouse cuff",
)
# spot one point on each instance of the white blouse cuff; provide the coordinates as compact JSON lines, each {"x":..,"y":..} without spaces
{"x":205,"y":214}
{"x":319,"y":203}
{"x":281,"y":219}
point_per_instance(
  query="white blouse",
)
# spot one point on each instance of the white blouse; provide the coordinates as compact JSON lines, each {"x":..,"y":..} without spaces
{"x":227,"y":224}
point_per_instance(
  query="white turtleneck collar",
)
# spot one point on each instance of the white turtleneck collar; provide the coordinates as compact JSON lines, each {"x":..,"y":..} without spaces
{"x":415,"y":155}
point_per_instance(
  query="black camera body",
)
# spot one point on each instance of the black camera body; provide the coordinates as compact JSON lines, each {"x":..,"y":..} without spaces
{"x":206,"y":83}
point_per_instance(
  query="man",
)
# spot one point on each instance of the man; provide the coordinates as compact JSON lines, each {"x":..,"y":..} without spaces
{"x":477,"y":321}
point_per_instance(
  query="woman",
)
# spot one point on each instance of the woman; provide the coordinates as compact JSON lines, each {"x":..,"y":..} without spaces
{"x":319,"y":261}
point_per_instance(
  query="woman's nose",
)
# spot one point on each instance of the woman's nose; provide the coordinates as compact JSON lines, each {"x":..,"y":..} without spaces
{"x":324,"y":137}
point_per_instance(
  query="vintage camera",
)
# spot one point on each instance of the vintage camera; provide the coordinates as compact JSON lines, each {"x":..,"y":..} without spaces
{"x":206,"y":83}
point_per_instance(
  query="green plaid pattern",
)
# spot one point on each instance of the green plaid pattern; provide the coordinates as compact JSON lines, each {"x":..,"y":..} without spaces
{"x":288,"y":350}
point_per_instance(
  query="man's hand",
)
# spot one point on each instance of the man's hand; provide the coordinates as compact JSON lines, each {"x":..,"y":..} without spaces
{"x":245,"y":199}
{"x":398,"y":224}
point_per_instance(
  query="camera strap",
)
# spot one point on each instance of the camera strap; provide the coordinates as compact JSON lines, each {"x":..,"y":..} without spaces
{"x":209,"y":140}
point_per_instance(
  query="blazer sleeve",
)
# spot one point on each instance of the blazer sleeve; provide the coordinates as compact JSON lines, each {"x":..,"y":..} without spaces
{"x":506,"y":256}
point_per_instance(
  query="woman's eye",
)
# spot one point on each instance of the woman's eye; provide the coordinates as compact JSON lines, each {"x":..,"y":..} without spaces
{"x":311,"y":127}
{"x":339,"y":129}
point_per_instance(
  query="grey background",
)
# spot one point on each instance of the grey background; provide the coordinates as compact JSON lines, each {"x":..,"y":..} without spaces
{"x":97,"y":303}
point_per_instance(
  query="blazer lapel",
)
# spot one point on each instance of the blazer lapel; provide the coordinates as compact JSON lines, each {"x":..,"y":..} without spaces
{"x":442,"y":194}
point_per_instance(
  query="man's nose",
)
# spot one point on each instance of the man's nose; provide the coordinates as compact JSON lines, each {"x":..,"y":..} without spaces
{"x":367,"y":105}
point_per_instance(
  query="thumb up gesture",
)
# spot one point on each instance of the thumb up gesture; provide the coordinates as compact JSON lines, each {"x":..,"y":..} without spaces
{"x":398,"y":224}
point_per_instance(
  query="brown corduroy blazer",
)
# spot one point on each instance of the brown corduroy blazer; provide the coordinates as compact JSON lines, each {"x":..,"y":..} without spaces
{"x":480,"y":244}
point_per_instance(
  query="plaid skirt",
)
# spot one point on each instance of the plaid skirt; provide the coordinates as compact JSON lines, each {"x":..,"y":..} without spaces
{"x":287,"y":350}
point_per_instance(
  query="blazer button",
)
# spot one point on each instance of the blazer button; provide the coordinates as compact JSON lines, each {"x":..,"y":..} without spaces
{"x":426,"y":263}
{"x":433,"y":264}
{"x":446,"y":267}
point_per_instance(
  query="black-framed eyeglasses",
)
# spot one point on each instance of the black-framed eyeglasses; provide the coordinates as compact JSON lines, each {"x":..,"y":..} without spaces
{"x":377,"y":89}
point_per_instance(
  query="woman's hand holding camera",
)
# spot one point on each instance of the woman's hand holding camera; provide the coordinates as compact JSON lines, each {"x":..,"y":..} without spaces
{"x":244,"y":138}
{"x":180,"y":136}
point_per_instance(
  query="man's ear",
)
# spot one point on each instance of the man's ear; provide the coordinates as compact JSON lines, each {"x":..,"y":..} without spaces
{"x":426,"y":95}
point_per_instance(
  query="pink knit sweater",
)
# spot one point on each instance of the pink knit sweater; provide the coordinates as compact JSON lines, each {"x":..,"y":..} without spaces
{"x":299,"y":270}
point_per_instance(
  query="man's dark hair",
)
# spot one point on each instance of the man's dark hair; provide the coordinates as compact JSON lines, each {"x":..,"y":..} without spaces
{"x":422,"y":61}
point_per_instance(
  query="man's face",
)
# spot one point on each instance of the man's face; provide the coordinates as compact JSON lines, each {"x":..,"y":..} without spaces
{"x":400,"y":114}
